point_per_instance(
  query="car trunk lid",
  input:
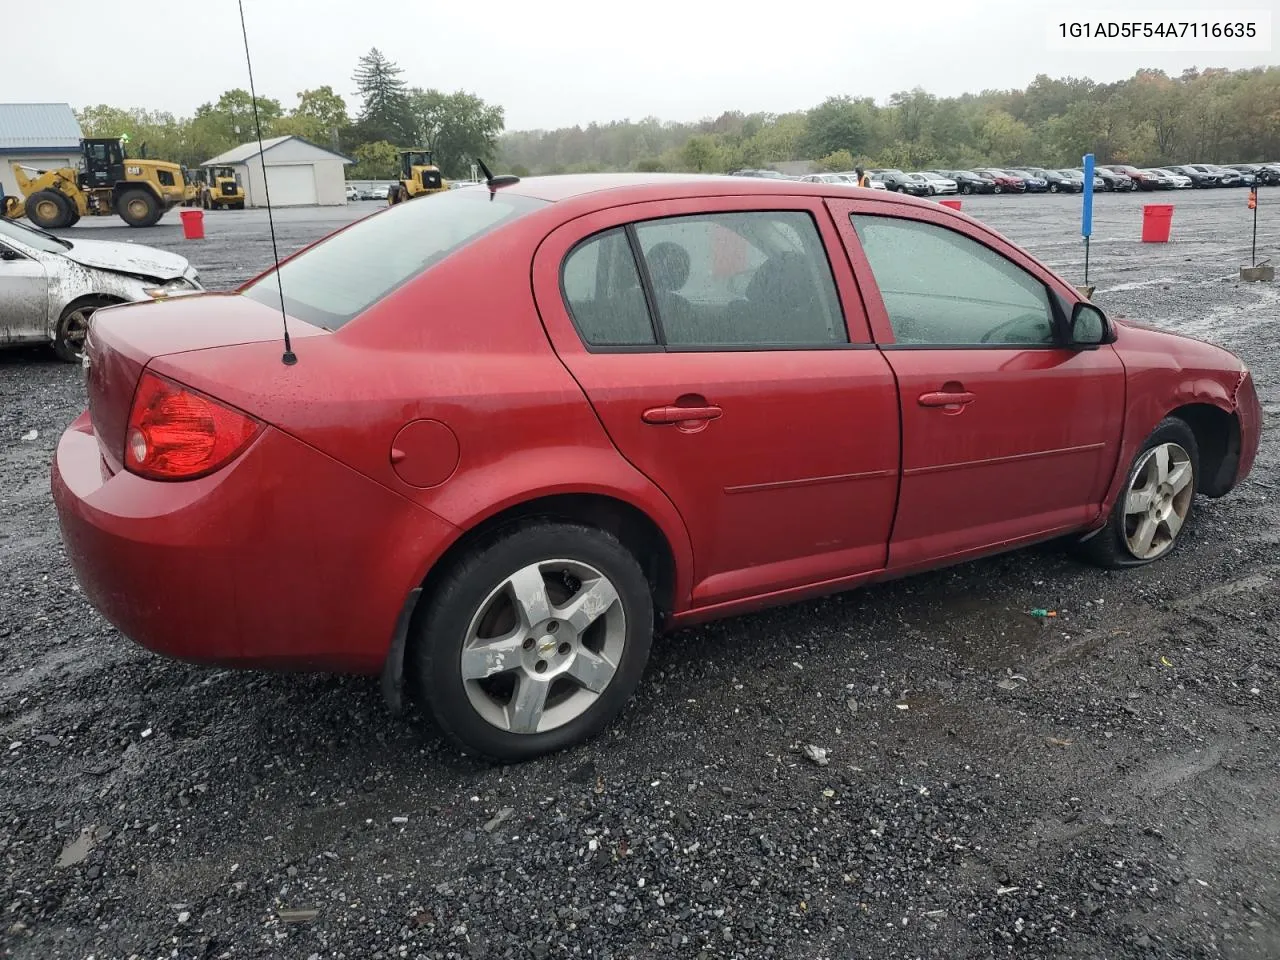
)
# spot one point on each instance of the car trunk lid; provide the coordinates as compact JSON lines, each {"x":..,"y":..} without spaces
{"x":124,"y":339}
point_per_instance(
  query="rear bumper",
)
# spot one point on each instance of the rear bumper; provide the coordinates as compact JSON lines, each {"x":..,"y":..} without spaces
{"x":283,"y":559}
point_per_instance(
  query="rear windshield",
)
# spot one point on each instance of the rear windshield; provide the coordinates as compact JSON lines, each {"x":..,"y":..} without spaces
{"x":343,"y":276}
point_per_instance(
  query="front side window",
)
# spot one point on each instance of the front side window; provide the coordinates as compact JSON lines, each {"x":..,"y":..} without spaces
{"x":343,"y":276}
{"x":942,"y":288}
{"x":741,"y":279}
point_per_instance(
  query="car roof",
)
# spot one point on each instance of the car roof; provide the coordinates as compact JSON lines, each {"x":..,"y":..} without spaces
{"x":573,"y":195}
{"x":615,"y":189}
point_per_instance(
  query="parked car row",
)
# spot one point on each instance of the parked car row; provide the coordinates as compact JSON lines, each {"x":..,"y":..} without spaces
{"x":1117,"y":177}
{"x":1186,"y":176}
{"x":375,"y":192}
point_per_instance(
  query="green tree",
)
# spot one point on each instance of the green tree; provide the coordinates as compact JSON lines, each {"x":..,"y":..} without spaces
{"x":458,"y":127}
{"x":1161,"y":102}
{"x":320,"y":116}
{"x":378,"y":160}
{"x":155,"y":134}
{"x":700,"y":154}
{"x":233,"y":114}
{"x":834,"y":125}
{"x":1001,"y":138}
{"x":385,"y":111}
{"x":839,"y":161}
{"x":912,"y":114}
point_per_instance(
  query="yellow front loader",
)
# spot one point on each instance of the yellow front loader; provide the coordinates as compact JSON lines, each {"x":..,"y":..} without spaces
{"x":218,"y":187}
{"x":419,"y":177}
{"x":139,"y":191}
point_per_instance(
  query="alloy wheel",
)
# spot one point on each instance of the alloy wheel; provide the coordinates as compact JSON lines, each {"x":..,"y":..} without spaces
{"x":1158,"y":500}
{"x":543,"y":646}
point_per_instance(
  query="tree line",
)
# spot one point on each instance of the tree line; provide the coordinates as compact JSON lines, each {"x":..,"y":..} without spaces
{"x":1214,"y":115}
{"x":458,"y":126}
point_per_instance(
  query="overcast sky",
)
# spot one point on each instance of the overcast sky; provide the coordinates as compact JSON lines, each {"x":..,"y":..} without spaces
{"x":563,"y":62}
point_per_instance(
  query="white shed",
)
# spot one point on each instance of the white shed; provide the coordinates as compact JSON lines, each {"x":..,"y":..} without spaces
{"x":294,"y":171}
{"x":42,"y":136}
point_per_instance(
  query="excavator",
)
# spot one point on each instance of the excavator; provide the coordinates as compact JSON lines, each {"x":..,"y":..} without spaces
{"x":107,"y":183}
{"x":419,"y":177}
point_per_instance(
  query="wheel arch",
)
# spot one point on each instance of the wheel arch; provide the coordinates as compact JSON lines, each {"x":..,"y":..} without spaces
{"x":1206,"y":406}
{"x":633,"y":526}
{"x":1217,"y":432}
{"x":60,"y":310}
{"x":668,"y":574}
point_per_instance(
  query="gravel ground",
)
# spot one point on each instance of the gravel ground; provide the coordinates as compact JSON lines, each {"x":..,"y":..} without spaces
{"x":1100,"y":784}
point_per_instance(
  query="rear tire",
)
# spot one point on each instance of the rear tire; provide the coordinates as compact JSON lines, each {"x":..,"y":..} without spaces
{"x":530,"y":654}
{"x":49,"y":210}
{"x":1160,"y":485}
{"x":139,"y":208}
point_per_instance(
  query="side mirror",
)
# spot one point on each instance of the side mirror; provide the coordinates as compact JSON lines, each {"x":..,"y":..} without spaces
{"x":1088,"y":325}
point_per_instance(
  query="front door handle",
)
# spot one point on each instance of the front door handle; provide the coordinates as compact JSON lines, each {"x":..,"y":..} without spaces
{"x":674,"y":414}
{"x":946,"y":398}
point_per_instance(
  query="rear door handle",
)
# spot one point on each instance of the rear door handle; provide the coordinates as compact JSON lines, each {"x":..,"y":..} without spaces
{"x":944,"y":398}
{"x":673,"y":414}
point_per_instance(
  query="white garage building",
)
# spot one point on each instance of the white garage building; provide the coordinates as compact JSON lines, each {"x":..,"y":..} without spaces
{"x":44,"y":136}
{"x":296,"y":171}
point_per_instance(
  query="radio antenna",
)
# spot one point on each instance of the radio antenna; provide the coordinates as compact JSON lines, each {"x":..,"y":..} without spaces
{"x":289,"y":358}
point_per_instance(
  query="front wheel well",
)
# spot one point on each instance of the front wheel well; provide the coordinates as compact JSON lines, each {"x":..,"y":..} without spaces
{"x":632,"y":526}
{"x":95,"y":299}
{"x":1218,"y":438}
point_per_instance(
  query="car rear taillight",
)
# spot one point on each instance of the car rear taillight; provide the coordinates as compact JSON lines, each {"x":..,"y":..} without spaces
{"x":176,"y":433}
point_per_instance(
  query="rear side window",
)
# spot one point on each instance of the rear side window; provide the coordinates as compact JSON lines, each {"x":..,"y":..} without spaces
{"x":602,"y":288}
{"x":742,"y":280}
{"x":343,"y":276}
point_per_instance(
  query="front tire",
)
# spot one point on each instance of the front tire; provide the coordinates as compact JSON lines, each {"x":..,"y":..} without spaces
{"x":998,"y":189}
{"x":73,"y":326}
{"x":1155,"y":504}
{"x":967,"y":189}
{"x":49,"y":210}
{"x":533,"y":641}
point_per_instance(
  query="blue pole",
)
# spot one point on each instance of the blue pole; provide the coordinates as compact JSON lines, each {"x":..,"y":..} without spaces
{"x":1086,"y":220}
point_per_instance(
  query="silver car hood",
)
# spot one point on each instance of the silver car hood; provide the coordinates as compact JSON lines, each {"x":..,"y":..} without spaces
{"x":131,"y":258}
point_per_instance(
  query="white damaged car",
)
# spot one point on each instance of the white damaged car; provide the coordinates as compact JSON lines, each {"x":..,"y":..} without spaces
{"x":50,"y":286}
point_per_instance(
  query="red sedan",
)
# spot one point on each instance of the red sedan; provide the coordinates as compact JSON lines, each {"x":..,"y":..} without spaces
{"x":530,"y":421}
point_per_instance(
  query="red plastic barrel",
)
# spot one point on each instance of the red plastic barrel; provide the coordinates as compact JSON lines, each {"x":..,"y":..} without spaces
{"x":953,"y":204}
{"x":1157,"y":218}
{"x":193,"y":224}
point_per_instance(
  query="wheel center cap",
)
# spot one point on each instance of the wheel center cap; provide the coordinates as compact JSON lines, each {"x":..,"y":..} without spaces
{"x":547,"y":646}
